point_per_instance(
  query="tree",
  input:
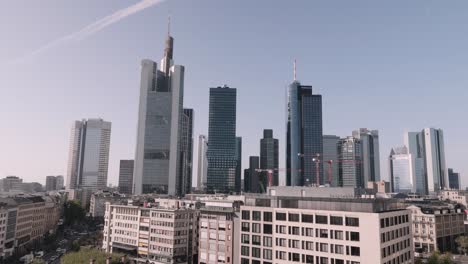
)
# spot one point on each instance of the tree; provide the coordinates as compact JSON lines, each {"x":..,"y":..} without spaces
{"x":85,"y":254}
{"x":462,"y":242}
{"x":73,"y":213}
{"x":446,"y":259}
{"x":434,"y":258}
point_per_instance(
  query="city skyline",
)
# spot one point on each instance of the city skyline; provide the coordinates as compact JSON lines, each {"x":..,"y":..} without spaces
{"x":319,"y":70}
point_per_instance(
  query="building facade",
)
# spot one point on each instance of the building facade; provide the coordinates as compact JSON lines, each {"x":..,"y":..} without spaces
{"x":454,"y":179}
{"x":304,"y":133}
{"x":402,"y":176}
{"x":252,"y":182}
{"x":88,"y":157}
{"x":350,"y":163}
{"x":202,"y":162}
{"x":269,"y":155}
{"x":330,"y":158}
{"x":324,"y":230}
{"x":223,"y":147}
{"x":60,"y":182}
{"x":186,"y":142}
{"x":97,"y":205}
{"x":126,"y":176}
{"x":157,"y":232}
{"x":158,"y":163}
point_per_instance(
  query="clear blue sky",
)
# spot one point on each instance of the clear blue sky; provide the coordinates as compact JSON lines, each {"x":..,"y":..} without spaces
{"x":394,"y":66}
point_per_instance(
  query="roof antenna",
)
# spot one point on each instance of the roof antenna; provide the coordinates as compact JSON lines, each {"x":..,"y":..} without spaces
{"x":294,"y":69}
{"x":169,"y":24}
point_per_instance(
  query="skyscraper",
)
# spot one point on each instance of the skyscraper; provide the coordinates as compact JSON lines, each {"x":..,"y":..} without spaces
{"x":414,"y":142}
{"x":88,"y":158}
{"x":222,"y":148}
{"x":51,"y":183}
{"x":330,"y":159}
{"x":185,"y":185}
{"x":269,"y":158}
{"x":202,"y":162}
{"x":303,"y":136}
{"x":59,"y":182}
{"x":252,"y":184}
{"x":370,"y":154}
{"x":428,"y":148}
{"x":126,"y":176}
{"x":239,"y":164}
{"x":160,"y":116}
{"x":350,"y":165}
{"x":454,"y":179}
{"x":402,"y":173}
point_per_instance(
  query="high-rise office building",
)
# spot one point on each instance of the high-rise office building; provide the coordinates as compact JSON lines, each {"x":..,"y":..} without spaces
{"x":304,"y":136}
{"x":350,"y":165}
{"x":202,"y":162}
{"x":402,"y":173}
{"x":428,"y":148}
{"x":239,"y":164}
{"x":185,"y":183}
{"x":222,"y":148}
{"x":160,"y":116}
{"x":370,"y":154}
{"x":59,"y":182}
{"x":126,"y":176}
{"x":51,"y":183}
{"x":252,"y":176}
{"x":330,"y":159}
{"x":454,"y":179}
{"x":269,"y":154}
{"x":88,"y":158}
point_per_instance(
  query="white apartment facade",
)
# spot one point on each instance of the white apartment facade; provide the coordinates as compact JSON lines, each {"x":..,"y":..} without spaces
{"x":324,"y":231}
{"x":156,"y":233}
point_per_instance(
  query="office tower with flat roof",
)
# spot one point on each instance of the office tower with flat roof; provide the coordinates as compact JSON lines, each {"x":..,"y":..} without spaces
{"x":202,"y":162}
{"x":126,"y":176}
{"x":269,"y":155}
{"x":222,"y":148}
{"x":330,"y":159}
{"x":402,"y":176}
{"x":454,"y":179}
{"x":350,"y":165}
{"x":303,"y":136}
{"x":185,"y":183}
{"x":239,"y":164}
{"x":428,"y":148}
{"x":59,"y":181}
{"x":51,"y":183}
{"x":160,"y":116}
{"x":88,"y":158}
{"x":370,"y":154}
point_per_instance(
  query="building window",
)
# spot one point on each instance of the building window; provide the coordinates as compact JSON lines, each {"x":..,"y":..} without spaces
{"x":336,"y":220}
{"x":294,"y":257}
{"x":352,"y":221}
{"x":244,"y":261}
{"x":256,"y":228}
{"x":245,"y":239}
{"x":245,"y":251}
{"x":355,"y":251}
{"x":267,"y":216}
{"x":323,"y":233}
{"x":354,"y":236}
{"x":281,"y":216}
{"x":321,"y":219}
{"x":280,"y":229}
{"x":293,"y":217}
{"x":339,"y":249}
{"x":256,"y":216}
{"x":306,"y":218}
{"x":267,"y":254}
{"x":294,"y":230}
{"x":256,"y":240}
{"x":256,"y":252}
{"x":308,"y":245}
{"x":245,"y":227}
{"x":308,"y":232}
{"x":246,"y":215}
{"x":338,"y":235}
{"x":267,"y":241}
{"x":267,"y":229}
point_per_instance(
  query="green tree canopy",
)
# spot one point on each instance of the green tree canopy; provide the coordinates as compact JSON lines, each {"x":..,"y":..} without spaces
{"x":73,"y":213}
{"x":85,"y":254}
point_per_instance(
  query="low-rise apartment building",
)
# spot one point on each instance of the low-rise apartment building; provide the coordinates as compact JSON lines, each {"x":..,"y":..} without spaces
{"x":160,"y":231}
{"x":97,"y":205}
{"x":324,"y":230}
{"x":435,"y":227}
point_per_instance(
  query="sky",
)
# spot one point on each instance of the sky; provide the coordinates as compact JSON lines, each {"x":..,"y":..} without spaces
{"x":394,"y":66}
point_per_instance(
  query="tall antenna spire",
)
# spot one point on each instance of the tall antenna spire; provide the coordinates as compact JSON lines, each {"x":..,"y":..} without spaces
{"x":295,"y":70}
{"x":169,"y":24}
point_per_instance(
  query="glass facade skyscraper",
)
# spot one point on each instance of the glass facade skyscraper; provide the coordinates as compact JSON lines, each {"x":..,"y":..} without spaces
{"x":402,"y":176}
{"x":269,"y":154}
{"x":330,"y":159}
{"x":370,"y":154}
{"x":186,"y":152}
{"x":454,"y":179}
{"x":304,"y":133}
{"x":222,"y":147}
{"x":350,"y":165}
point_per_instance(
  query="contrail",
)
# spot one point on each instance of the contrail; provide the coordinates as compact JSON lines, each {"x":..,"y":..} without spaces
{"x":92,"y":28}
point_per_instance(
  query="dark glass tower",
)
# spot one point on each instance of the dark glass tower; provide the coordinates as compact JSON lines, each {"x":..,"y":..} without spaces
{"x":269,"y":154}
{"x":252,"y":183}
{"x":303,"y":136}
{"x":222,"y":148}
{"x":239,"y":164}
{"x":186,"y":153}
